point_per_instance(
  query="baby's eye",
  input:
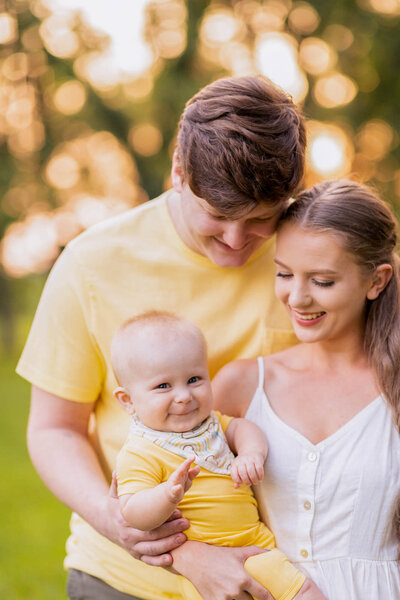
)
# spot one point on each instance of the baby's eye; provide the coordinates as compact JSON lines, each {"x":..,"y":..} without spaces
{"x":163,"y":386}
{"x":283,"y":275}
{"x":194,"y":379}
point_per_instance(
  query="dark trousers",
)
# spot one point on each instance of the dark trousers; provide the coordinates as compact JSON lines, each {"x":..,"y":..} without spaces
{"x":81,"y":586}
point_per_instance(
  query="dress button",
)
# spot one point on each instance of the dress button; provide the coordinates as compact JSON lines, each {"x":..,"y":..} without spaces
{"x":304,"y":553}
{"x":312,"y":457}
{"x":307,"y":505}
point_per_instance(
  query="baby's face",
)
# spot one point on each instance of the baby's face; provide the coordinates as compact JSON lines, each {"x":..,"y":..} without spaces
{"x":171,"y":389}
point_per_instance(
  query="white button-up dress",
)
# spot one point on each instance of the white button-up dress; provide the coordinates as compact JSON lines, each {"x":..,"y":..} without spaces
{"x":330,"y":505}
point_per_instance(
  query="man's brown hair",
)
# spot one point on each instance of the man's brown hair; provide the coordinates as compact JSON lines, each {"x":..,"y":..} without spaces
{"x":241,"y":142}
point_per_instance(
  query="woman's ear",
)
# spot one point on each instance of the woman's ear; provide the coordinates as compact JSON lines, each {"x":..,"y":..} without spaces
{"x":176,"y":174}
{"x":379,"y":280}
{"x":124,"y":399}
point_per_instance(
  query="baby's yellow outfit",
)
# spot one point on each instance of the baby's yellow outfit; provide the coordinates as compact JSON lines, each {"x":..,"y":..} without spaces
{"x":218,"y":512}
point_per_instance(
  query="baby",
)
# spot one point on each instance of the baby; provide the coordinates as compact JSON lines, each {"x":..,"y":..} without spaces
{"x":160,"y":362}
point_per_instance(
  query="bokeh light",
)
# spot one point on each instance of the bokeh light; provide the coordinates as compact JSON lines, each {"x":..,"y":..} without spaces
{"x":330,"y":152}
{"x":303,"y":18}
{"x":334,"y":90}
{"x":70,"y":97}
{"x":375,"y":138}
{"x":316,"y":56}
{"x":277,"y":58}
{"x":8,"y":28}
{"x":220,"y":26}
{"x":146,"y":139}
{"x":58,"y":36}
{"x":388,"y":8}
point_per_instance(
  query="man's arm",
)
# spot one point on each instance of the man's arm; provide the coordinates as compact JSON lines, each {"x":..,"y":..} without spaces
{"x":62,"y":454}
{"x":150,"y":508}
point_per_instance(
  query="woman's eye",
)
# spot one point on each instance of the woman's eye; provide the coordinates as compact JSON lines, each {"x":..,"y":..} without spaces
{"x":193,"y":379}
{"x":284,"y":275}
{"x":163,"y":386}
{"x":323,"y":283}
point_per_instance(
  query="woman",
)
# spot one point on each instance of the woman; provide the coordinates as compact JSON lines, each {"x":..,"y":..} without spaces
{"x":330,"y":406}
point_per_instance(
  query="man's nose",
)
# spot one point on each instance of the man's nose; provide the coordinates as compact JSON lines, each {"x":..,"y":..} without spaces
{"x":234,"y":235}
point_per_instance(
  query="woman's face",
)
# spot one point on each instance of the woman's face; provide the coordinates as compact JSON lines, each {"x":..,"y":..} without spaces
{"x":320,"y":284}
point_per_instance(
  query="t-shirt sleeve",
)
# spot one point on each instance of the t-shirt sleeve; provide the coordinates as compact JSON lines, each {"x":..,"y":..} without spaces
{"x":225,"y":420}
{"x":61,"y":355}
{"x":138,"y":467}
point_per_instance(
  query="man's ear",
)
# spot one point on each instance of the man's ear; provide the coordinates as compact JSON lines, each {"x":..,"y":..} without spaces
{"x":176,"y":174}
{"x":124,"y":399}
{"x":379,"y":280}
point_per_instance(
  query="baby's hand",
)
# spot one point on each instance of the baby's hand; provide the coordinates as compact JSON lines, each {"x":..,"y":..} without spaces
{"x":181,"y":480}
{"x":248,"y":469}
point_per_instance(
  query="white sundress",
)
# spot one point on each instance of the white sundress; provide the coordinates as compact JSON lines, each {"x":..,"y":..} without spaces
{"x":330,"y":505}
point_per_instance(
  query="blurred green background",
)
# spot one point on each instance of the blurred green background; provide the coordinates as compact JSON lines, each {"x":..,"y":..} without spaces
{"x":84,"y":135}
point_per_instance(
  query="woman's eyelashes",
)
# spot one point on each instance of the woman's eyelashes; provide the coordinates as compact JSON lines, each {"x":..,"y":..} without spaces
{"x":323,"y":283}
{"x":315,"y":281}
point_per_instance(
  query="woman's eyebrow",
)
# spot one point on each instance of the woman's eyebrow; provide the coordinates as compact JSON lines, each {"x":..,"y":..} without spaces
{"x":313,"y":271}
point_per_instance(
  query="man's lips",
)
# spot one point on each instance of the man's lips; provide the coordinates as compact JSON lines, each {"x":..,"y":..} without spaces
{"x":229,"y":248}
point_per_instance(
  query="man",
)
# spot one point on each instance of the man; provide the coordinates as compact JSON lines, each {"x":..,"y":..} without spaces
{"x":202,"y":251}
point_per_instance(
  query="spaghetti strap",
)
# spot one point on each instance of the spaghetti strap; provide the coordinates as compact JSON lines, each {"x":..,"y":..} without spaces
{"x":260,"y":361}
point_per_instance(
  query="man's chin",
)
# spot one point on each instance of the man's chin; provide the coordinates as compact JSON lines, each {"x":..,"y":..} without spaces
{"x":230,"y":260}
{"x":223,"y":256}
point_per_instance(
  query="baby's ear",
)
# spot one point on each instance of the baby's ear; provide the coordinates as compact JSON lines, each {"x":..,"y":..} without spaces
{"x":124,"y":399}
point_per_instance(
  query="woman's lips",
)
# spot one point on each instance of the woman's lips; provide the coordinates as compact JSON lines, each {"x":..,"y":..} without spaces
{"x":309,"y":318}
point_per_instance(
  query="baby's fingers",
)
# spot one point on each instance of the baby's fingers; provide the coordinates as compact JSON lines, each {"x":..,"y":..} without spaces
{"x":181,"y":474}
{"x":194,"y":472}
{"x":176,"y":493}
{"x":236,"y":475}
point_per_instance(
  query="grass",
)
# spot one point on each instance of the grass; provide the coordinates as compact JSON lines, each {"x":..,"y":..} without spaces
{"x":33,"y":524}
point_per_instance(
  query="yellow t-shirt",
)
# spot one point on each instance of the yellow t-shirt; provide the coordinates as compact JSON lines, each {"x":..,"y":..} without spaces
{"x":125,"y":266}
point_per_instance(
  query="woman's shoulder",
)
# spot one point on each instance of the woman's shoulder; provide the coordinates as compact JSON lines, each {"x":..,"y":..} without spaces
{"x":234,"y":386}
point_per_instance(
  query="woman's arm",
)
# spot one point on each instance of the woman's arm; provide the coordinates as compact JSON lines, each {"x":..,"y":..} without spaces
{"x":234,"y":386}
{"x":64,"y":457}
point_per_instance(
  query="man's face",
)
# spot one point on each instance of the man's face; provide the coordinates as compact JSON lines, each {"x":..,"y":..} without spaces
{"x":226,"y":241}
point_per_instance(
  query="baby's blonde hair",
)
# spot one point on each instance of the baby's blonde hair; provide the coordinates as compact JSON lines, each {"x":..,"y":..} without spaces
{"x":157,"y":320}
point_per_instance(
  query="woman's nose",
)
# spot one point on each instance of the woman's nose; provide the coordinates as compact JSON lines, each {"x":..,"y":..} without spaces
{"x":299,"y":296}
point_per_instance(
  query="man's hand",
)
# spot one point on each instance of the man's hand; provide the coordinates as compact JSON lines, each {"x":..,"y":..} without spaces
{"x":152,"y":547}
{"x":309,"y":591}
{"x":217,"y":572}
{"x":248,"y":468}
{"x":181,"y":480}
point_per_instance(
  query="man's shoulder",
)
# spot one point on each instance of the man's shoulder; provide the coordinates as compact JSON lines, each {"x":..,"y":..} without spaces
{"x":128,"y":223}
